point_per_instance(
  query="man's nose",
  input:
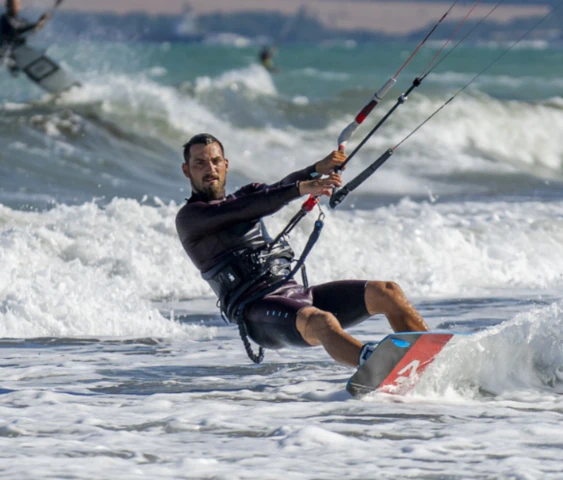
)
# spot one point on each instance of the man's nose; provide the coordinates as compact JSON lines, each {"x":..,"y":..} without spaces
{"x":208,"y":167}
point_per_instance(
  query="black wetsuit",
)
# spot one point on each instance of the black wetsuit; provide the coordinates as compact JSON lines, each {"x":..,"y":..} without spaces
{"x":12,"y":29}
{"x":210,"y":231}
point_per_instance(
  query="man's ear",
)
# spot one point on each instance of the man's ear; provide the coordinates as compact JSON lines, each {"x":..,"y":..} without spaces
{"x":226,"y":164}
{"x":186,"y":170}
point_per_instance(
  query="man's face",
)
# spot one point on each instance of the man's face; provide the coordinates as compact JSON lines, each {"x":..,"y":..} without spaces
{"x":207,"y":170}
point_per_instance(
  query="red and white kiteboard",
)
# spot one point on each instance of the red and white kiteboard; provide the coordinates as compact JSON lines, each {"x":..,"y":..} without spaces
{"x":398,"y":362}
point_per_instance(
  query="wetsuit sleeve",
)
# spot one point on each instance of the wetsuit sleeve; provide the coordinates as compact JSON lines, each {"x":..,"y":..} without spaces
{"x":199,"y":218}
{"x":14,"y":27}
{"x":300,"y":176}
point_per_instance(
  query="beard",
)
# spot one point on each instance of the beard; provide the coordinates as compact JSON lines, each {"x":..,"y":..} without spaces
{"x":213,"y":191}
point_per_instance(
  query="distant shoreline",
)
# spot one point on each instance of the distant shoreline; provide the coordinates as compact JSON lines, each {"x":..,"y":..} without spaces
{"x":386,"y":17}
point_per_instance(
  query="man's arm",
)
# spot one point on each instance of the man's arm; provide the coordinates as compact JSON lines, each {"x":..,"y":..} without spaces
{"x":255,"y":201}
{"x":298,"y":176}
{"x":323,"y":167}
{"x":15,"y":27}
{"x":200,"y":218}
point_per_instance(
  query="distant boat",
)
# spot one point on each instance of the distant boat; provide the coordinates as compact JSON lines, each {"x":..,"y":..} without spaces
{"x":187,"y":29}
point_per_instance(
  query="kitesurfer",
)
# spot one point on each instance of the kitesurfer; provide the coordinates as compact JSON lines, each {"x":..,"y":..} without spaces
{"x":13,"y":29}
{"x":226,"y":239}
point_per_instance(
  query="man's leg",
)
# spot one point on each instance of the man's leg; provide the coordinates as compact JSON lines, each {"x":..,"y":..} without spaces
{"x":318,"y":327}
{"x":388,"y":298}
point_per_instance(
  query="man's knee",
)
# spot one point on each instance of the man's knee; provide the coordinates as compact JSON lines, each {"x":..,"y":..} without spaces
{"x":384,"y":297}
{"x":387,"y":289}
{"x":313,"y":324}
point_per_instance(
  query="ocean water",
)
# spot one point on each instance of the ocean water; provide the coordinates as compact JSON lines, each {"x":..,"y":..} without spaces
{"x":114,"y":362}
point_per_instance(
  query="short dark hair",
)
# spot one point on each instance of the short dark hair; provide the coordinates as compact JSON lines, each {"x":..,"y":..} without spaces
{"x":201,"y":139}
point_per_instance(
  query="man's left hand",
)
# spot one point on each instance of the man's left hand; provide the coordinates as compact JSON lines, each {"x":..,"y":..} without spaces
{"x":328,"y":164}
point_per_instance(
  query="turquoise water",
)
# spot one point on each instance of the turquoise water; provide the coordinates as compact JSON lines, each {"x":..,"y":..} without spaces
{"x":146,"y":100}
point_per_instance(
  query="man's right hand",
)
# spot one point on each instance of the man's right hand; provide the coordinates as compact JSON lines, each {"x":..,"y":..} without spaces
{"x":320,"y":186}
{"x":331,"y":162}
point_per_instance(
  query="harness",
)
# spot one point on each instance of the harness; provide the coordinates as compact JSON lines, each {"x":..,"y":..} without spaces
{"x":241,"y":270}
{"x":244,"y":270}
